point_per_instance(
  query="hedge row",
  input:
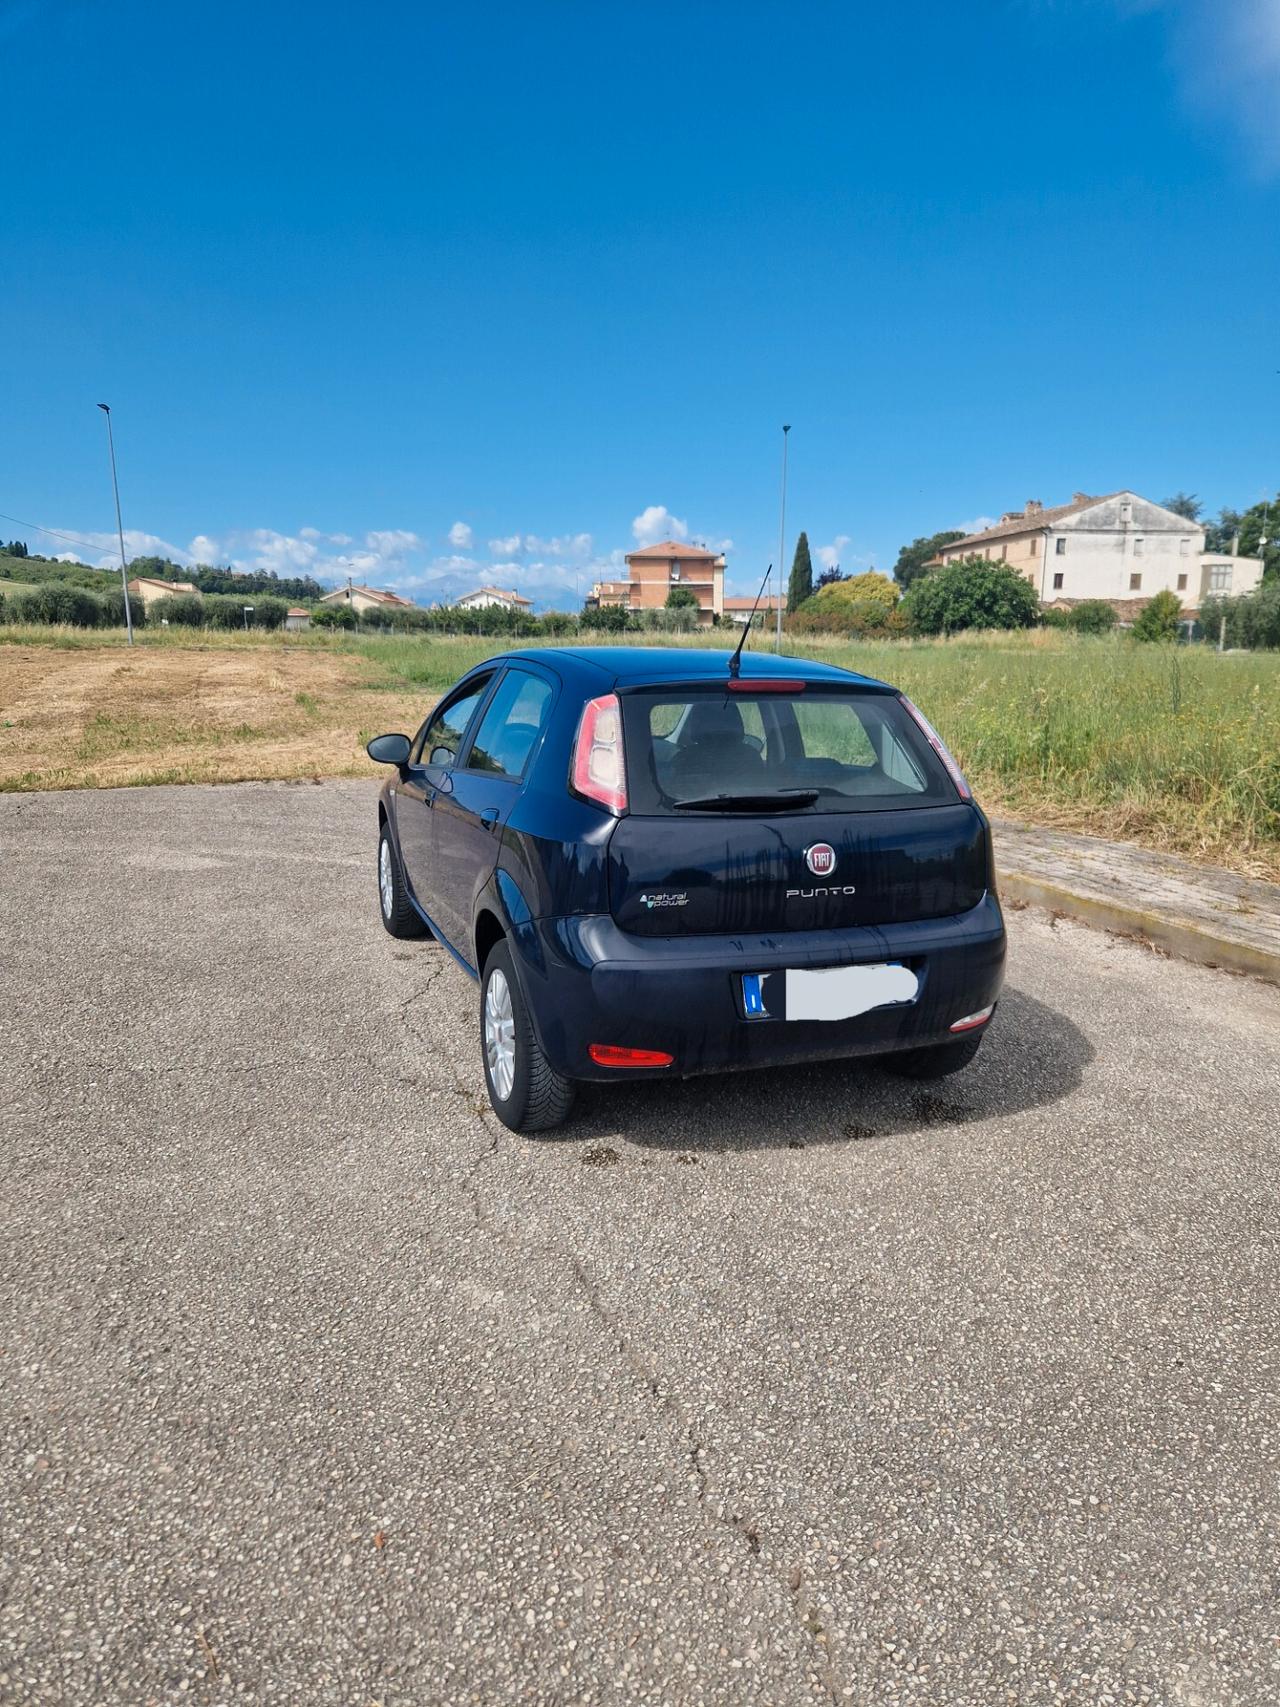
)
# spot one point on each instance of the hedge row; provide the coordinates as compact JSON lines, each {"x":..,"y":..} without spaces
{"x":56,"y":602}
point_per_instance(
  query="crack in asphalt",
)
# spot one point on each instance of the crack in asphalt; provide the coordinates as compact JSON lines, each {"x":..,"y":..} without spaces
{"x":711,"y":1508}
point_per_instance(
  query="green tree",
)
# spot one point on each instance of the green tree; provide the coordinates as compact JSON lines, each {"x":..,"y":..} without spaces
{"x":1218,"y":535}
{"x":1250,"y":527}
{"x":1092,"y":616}
{"x":1159,"y":618}
{"x":1185,"y":504}
{"x":912,"y":558}
{"x":800,"y":586}
{"x":971,"y":593}
{"x":609,"y":619}
{"x":1259,"y":523}
{"x":1252,"y":619}
{"x":681,"y":598}
{"x":333,"y":616}
{"x":870,"y":586}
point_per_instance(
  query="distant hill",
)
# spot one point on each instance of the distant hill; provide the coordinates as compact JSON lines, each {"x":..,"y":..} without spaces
{"x":35,"y":571}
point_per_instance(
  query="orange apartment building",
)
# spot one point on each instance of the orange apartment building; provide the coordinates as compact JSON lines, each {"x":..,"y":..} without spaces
{"x":655,"y":569}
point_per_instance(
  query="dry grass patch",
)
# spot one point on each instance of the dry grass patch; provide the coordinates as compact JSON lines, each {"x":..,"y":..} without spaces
{"x":103,"y":718}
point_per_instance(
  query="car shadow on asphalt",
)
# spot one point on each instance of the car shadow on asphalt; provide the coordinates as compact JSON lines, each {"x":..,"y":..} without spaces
{"x":1033,"y":1056}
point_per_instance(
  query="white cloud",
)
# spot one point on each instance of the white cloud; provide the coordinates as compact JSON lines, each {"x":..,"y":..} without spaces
{"x":829,"y":555}
{"x":205,"y":550}
{"x":393,"y":542}
{"x":655,"y":523}
{"x":102,"y":550}
{"x":505,"y":547}
{"x":1226,"y":57}
{"x":978,"y":524}
{"x":461,"y":536}
{"x":329,"y":538}
{"x":562,"y":545}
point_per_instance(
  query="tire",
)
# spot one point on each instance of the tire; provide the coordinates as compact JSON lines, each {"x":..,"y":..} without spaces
{"x":399,"y":915}
{"x":938,"y":1061}
{"x":537,"y":1098}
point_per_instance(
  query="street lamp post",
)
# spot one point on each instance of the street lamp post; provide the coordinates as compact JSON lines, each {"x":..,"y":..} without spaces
{"x":782,"y":536}
{"x":115,"y":484}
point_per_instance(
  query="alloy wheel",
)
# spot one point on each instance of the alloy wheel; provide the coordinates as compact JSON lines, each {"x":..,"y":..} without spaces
{"x":500,"y":1034}
{"x":386,"y":878}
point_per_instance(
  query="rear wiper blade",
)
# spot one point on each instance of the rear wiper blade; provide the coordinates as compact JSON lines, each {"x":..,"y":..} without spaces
{"x":782,"y":801}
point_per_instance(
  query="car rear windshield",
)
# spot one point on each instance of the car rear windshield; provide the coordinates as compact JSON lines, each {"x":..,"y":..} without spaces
{"x":692,"y":750}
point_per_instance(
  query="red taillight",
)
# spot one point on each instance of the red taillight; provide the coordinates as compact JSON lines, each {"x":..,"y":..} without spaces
{"x":971,"y":1022}
{"x":935,"y":740}
{"x":613,"y":1055}
{"x":599,"y":770}
{"x":754,"y":684}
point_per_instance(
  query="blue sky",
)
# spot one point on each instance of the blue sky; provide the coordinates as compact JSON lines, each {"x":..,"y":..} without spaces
{"x":487,"y":293}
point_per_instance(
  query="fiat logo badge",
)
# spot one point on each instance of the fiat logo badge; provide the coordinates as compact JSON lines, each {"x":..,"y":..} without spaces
{"x":821,"y":859}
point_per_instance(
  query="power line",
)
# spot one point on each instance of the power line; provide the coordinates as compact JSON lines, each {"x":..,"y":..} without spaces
{"x":53,"y":533}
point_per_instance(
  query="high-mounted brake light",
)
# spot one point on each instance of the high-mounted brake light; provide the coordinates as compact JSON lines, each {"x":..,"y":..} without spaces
{"x":613,"y":1055}
{"x":935,"y":740}
{"x":767,"y":684}
{"x":970,"y":1022}
{"x":599,"y":770}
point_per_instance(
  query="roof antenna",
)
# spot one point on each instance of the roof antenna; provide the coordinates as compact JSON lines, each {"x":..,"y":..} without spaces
{"x":736,"y":660}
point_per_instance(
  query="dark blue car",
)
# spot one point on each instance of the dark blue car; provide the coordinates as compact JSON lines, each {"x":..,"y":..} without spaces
{"x":674,"y":862}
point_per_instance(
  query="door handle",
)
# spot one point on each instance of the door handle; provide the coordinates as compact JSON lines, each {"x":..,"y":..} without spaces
{"x":489,"y":818}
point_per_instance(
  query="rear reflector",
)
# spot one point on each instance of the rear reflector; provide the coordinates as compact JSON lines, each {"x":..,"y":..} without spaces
{"x":599,"y":770}
{"x":935,"y":740}
{"x":755,"y":684}
{"x":970,"y":1022}
{"x":612,"y":1055}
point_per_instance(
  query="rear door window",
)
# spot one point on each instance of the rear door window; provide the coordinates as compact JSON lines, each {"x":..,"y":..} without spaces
{"x":852,"y":752}
{"x":511,"y":725}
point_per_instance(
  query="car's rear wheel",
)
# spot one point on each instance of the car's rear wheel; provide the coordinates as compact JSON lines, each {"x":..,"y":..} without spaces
{"x":399,"y":914}
{"x":526,"y":1092}
{"x":937,"y":1061}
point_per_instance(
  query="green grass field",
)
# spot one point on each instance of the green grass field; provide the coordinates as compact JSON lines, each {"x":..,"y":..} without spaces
{"x":1173,"y":747}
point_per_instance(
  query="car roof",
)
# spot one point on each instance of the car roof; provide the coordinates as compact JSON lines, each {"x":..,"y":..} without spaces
{"x":636,"y":665}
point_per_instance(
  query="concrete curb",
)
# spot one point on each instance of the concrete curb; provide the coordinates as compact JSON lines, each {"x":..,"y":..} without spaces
{"x":1186,"y":941}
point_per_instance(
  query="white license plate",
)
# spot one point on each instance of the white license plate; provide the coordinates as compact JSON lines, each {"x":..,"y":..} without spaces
{"x":835,"y":992}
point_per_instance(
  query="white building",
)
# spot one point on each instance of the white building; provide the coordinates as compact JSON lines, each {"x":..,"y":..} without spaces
{"x":1122,"y":548}
{"x":484,"y":597}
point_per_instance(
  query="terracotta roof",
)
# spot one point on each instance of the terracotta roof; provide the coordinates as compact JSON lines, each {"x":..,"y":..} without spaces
{"x":498,"y":593}
{"x":297,"y":610}
{"x":670,"y":548}
{"x":770,"y":601}
{"x":1021,"y":522}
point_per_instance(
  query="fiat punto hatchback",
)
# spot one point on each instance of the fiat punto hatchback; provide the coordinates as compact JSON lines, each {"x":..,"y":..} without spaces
{"x":666,"y":862}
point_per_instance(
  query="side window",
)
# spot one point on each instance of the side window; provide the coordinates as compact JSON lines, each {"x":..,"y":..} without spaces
{"x":511,"y":725}
{"x":443,"y":735}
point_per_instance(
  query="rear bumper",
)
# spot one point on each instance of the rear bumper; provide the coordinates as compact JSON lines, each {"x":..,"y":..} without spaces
{"x":588,"y":982}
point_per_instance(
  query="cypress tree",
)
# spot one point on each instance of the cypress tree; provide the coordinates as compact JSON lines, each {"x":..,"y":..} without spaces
{"x":800,"y":586}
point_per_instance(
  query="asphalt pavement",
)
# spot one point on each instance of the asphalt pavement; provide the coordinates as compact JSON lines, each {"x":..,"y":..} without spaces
{"x":318,"y":1386}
